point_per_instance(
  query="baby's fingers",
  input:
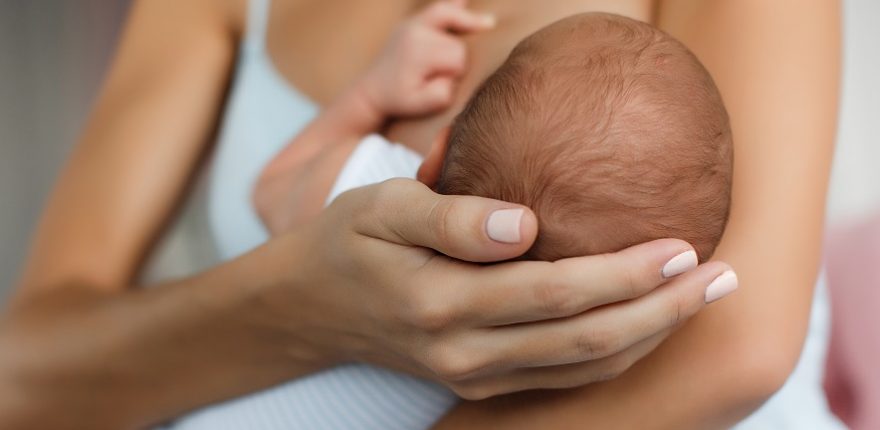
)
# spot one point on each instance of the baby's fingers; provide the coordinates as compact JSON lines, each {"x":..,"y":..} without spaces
{"x":448,"y":56}
{"x":452,"y":16}
{"x":436,"y":94}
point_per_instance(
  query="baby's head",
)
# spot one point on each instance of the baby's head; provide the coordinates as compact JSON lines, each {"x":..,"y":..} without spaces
{"x":609,"y":129}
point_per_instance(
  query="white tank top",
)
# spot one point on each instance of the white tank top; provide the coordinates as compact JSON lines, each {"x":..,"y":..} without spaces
{"x":263,"y":113}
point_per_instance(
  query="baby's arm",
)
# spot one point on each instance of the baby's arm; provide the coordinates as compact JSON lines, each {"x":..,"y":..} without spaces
{"x":415,"y":75}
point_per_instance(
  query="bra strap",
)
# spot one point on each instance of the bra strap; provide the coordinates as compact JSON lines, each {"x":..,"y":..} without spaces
{"x":257,"y":23}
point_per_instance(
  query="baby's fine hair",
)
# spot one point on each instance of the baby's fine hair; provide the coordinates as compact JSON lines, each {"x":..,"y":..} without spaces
{"x":609,"y":129}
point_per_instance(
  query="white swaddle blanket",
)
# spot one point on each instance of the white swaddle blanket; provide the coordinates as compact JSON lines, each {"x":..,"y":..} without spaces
{"x":375,"y":159}
{"x":359,"y":396}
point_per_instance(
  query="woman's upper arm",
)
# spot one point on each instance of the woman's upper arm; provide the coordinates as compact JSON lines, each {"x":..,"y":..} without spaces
{"x":155,"y":113}
{"x":777,"y":66}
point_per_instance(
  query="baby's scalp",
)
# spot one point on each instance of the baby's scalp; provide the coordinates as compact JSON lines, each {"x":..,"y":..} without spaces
{"x":610,"y":129}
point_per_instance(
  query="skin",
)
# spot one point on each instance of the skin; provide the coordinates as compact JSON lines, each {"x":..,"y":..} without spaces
{"x":163,"y":98}
{"x":80,"y":324}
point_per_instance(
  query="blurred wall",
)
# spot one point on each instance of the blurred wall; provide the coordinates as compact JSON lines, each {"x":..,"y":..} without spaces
{"x":855,"y":182}
{"x":53,"y":54}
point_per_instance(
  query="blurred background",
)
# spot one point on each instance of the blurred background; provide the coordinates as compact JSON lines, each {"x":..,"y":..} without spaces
{"x":53,"y":55}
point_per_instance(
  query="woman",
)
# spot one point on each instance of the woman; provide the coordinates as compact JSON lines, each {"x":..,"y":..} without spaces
{"x":147,"y":355}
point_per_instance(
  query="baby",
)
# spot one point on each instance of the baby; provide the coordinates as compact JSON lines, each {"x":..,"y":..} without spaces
{"x":610,"y":130}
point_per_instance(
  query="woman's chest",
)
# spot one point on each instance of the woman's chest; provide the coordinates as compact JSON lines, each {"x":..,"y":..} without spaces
{"x":321,"y":46}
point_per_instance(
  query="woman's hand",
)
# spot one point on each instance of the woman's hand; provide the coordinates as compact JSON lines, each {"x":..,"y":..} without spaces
{"x":371,"y":290}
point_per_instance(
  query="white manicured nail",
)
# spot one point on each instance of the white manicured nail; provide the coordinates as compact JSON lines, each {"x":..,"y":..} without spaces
{"x":723,"y":285}
{"x":679,"y":264}
{"x":503,"y":225}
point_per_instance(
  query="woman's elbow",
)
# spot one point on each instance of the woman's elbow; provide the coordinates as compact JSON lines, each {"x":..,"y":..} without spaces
{"x":762,"y":369}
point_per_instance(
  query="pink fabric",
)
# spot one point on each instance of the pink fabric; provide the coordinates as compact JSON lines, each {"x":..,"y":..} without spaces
{"x":852,"y":379}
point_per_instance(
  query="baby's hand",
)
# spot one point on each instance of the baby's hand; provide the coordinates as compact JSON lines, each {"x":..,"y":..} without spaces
{"x":417,"y":72}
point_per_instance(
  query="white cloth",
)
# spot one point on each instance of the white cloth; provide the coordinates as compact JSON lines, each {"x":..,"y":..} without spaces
{"x":375,"y":160}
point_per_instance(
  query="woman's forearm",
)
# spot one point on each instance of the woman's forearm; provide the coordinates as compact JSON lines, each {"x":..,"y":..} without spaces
{"x":102,"y":360}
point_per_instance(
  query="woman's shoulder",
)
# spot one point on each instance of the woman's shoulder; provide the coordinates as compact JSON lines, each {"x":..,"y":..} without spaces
{"x":229,"y":17}
{"x":235,"y":12}
{"x":231,"y":13}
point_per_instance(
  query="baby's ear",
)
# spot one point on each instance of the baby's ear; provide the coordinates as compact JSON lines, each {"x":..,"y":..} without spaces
{"x":429,"y":171}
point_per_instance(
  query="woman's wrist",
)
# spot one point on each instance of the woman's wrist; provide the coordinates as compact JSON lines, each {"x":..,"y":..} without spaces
{"x":279,"y":306}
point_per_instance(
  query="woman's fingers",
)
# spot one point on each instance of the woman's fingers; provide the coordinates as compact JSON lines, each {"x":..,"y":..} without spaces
{"x":532,"y":290}
{"x":602,"y":332}
{"x":452,"y":15}
{"x":466,"y":353}
{"x":558,"y":377}
{"x":468,"y":228}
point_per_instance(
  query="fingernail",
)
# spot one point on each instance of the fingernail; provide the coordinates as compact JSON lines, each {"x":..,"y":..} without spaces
{"x":723,"y":285}
{"x":503,"y":225}
{"x":488,"y":20}
{"x":679,"y":264}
